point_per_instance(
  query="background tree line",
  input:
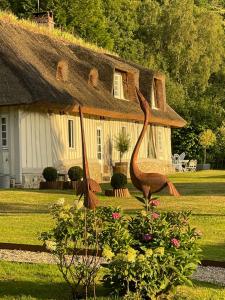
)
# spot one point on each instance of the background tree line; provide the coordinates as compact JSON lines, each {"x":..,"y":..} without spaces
{"x":183,"y":38}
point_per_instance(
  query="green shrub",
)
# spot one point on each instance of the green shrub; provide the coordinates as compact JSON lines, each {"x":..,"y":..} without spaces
{"x":75,"y":173}
{"x":119,"y":181}
{"x":77,"y":227}
{"x":149,"y":254}
{"x":50,"y":174}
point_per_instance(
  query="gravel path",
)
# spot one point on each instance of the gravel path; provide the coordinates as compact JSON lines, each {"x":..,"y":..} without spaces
{"x":207,"y":274}
{"x":210,"y":274}
{"x":27,"y":256}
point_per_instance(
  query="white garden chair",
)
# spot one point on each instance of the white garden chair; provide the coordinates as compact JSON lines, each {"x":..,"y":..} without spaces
{"x":192,"y":165}
{"x":177,"y":163}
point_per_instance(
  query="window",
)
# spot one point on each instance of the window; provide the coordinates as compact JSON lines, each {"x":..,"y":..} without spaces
{"x":118,"y":90}
{"x":157,"y":93}
{"x":4,"y":133}
{"x":160,"y":140}
{"x":71,"y":133}
{"x":99,"y":143}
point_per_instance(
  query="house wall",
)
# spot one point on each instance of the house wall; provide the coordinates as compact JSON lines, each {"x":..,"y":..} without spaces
{"x":44,"y":142}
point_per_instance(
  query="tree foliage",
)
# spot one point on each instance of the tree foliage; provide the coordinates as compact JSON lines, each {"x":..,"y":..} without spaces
{"x":207,"y":139}
{"x":182,"y":38}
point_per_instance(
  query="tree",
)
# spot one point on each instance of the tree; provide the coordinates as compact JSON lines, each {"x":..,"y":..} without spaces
{"x":122,"y":23}
{"x":83,"y":18}
{"x":220,"y":146}
{"x":4,"y":4}
{"x":207,"y":139}
{"x":122,"y":143}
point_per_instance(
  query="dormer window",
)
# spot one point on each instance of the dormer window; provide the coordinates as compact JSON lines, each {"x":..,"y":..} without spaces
{"x":118,"y":90}
{"x":157,"y":94}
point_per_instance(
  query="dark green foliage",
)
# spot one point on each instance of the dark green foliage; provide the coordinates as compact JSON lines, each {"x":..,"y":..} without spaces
{"x":187,"y":140}
{"x":119,"y":181}
{"x":50,"y":174}
{"x":75,"y":173}
{"x":4,"y":4}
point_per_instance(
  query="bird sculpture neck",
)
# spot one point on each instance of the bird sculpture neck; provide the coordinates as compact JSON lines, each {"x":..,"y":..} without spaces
{"x":84,"y":152}
{"x":134,"y":158}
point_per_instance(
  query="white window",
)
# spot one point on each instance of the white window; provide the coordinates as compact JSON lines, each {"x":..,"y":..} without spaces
{"x":99,"y":143}
{"x":4,"y":132}
{"x":153,"y":97}
{"x":160,"y":140}
{"x":71,"y":134}
{"x":118,"y":86}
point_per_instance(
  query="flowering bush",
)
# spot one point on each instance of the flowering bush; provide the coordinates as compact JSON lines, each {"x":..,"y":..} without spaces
{"x":150,"y":253}
{"x":77,"y":230}
{"x":147,"y":255}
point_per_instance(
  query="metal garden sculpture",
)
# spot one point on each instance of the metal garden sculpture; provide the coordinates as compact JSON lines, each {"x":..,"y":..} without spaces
{"x":87,"y":187}
{"x":148,"y":183}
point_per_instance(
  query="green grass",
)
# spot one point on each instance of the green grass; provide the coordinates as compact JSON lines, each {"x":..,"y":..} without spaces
{"x":38,"y":281}
{"x":25,"y":213}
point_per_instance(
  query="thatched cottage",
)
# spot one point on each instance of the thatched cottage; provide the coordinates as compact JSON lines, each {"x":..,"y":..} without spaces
{"x":45,"y":78}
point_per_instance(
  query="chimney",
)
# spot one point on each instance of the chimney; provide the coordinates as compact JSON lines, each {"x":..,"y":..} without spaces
{"x":44,"y":19}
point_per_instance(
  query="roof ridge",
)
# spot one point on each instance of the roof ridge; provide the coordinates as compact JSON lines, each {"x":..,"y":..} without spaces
{"x":55,"y":33}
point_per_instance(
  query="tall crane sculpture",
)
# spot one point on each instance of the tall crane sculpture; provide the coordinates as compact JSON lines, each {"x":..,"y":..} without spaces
{"x":87,"y":187}
{"x":148,"y":183}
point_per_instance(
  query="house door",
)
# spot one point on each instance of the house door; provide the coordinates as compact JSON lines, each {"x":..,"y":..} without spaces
{"x":100,"y":147}
{"x":4,"y":157}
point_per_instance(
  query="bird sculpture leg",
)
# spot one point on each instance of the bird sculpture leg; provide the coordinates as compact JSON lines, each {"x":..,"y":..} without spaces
{"x":147,"y":194}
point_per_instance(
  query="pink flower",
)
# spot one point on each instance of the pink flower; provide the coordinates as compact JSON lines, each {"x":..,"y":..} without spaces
{"x":155,"y":215}
{"x":175,"y":243}
{"x":154,"y":202}
{"x":116,"y":215}
{"x":147,"y":237}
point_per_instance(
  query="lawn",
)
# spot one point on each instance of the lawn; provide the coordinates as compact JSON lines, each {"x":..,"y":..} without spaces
{"x":25,"y":213}
{"x":38,"y":281}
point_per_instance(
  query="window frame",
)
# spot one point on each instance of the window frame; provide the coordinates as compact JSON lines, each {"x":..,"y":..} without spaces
{"x":4,"y":147}
{"x":157,"y":100}
{"x":99,"y":129}
{"x":71,"y":139}
{"x":160,"y":139}
{"x":120,"y":93}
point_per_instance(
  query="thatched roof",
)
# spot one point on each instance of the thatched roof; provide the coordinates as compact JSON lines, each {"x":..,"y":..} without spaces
{"x":28,"y":72}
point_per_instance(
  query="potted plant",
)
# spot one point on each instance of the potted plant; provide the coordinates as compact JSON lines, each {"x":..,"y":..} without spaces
{"x":122,"y":144}
{"x":50,"y":175}
{"x":119,"y":185}
{"x":206,"y":139}
{"x":75,"y":174}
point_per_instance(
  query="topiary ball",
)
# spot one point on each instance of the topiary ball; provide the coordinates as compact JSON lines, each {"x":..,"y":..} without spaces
{"x":50,"y":174}
{"x":119,"y":181}
{"x":75,"y":173}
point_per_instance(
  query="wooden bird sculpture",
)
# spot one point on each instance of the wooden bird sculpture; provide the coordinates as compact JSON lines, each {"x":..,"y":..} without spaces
{"x":87,"y":187}
{"x":148,"y":183}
